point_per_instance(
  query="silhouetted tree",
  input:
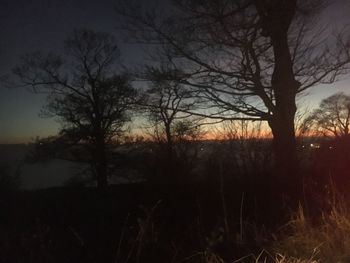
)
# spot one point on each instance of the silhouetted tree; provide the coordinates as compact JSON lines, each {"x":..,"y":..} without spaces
{"x":165,"y":101}
{"x":245,"y":57}
{"x":247,"y":145}
{"x":187,"y":132}
{"x":332,"y":117}
{"x":84,"y":92}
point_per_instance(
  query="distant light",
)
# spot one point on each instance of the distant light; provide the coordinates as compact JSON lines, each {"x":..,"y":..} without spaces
{"x":315,"y":145}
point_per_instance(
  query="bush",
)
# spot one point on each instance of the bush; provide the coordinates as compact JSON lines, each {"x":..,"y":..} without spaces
{"x":9,"y":179}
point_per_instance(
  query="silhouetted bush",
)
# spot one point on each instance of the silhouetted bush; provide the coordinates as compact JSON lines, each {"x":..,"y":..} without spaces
{"x":9,"y":178}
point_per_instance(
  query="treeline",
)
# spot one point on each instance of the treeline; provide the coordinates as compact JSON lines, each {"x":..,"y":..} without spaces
{"x":209,"y":62}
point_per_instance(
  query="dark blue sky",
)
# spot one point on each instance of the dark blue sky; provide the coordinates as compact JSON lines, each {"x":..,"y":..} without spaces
{"x":28,"y":25}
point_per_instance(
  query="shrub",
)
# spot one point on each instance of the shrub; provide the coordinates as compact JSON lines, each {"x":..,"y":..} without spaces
{"x":9,"y":179}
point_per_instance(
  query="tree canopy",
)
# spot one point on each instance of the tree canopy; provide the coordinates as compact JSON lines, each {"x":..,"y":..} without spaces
{"x":85,"y":92}
{"x":245,"y":59}
{"x":332,"y":117}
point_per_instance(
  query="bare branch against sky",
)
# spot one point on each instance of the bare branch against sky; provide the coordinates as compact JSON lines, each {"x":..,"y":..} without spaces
{"x":42,"y":25}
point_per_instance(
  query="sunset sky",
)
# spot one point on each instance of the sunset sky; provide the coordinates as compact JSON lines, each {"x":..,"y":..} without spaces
{"x":29,"y":25}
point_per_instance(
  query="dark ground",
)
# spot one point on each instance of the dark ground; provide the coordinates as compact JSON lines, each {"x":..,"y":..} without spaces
{"x":157,"y":223}
{"x":150,"y":222}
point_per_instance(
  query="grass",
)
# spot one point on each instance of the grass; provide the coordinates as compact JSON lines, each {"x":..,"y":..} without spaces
{"x":322,"y":240}
{"x":325,"y":241}
{"x":128,"y":225}
{"x":303,"y":239}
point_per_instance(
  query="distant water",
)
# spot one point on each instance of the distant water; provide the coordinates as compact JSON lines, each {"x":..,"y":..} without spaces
{"x":39,"y":175}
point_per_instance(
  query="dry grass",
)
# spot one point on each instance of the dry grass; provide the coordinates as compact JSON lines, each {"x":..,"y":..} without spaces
{"x":267,"y":257}
{"x":325,"y":241}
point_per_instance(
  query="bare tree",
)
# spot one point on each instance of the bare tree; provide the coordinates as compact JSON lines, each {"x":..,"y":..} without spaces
{"x":245,"y":57}
{"x":166,"y":101}
{"x":332,"y":117}
{"x":84,"y":92}
{"x":247,"y":144}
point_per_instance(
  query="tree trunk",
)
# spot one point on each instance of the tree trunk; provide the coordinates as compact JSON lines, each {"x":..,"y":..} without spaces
{"x":282,"y":120}
{"x":276,"y":17}
{"x":284,"y":145}
{"x":101,"y":163}
{"x":169,"y":144}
